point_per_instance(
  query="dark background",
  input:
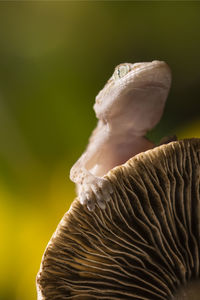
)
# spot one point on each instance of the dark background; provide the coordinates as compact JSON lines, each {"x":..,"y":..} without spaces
{"x":54,"y":58}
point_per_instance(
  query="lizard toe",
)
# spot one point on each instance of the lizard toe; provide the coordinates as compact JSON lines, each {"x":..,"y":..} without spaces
{"x":90,"y":205}
{"x":102,"y":190}
{"x":83,"y":198}
{"x":101,"y":204}
{"x":85,"y":194}
{"x":108,"y":187}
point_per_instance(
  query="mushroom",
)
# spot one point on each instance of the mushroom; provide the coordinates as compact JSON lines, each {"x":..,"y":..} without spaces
{"x":144,"y":245}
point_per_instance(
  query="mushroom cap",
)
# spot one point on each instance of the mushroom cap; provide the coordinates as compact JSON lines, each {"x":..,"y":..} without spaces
{"x":144,"y":245}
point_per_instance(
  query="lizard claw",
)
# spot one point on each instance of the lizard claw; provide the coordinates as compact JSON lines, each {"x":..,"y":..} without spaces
{"x":98,"y":191}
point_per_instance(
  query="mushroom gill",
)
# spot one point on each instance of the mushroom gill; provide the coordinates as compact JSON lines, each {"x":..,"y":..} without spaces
{"x":144,"y":245}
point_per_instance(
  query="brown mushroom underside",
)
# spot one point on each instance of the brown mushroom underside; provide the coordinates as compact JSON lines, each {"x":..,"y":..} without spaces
{"x":144,"y":245}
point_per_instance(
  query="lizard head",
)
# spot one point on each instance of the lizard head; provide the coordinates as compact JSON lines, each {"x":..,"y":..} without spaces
{"x":135,"y":89}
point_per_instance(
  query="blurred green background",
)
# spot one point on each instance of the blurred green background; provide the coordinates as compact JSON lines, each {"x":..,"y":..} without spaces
{"x":54,"y":58}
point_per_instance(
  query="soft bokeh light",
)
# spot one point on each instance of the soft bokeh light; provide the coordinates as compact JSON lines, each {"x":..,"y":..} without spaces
{"x":54,"y":58}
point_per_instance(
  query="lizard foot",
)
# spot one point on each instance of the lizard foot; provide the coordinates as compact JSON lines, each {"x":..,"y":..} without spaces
{"x":98,"y":191}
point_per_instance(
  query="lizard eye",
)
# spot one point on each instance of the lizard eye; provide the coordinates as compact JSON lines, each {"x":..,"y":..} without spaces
{"x":121,"y":71}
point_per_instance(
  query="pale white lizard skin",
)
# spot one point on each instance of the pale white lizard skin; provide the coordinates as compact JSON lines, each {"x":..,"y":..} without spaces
{"x":130,"y":104}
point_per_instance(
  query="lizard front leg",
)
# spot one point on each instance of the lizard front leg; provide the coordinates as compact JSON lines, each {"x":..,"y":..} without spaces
{"x":91,"y":189}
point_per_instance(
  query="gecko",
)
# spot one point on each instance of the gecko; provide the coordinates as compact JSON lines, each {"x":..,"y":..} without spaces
{"x":130,"y":104}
